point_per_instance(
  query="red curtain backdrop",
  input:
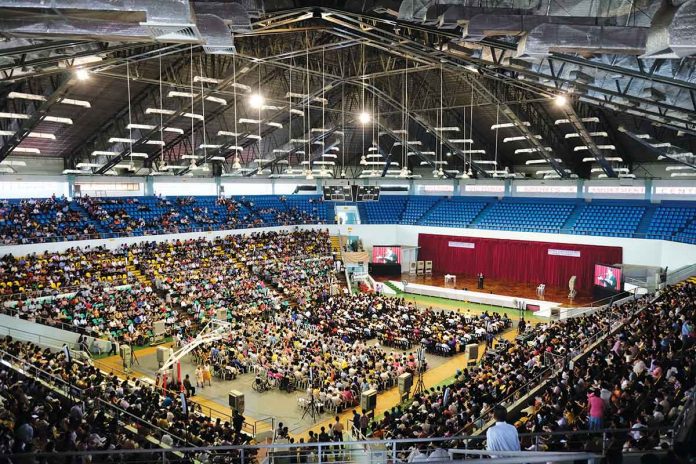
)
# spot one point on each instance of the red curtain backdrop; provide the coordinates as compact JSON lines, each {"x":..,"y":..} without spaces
{"x":516,"y":260}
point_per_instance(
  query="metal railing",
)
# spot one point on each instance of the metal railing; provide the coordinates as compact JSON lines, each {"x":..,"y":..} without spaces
{"x":383,"y":451}
{"x":680,"y":274}
{"x":72,"y":391}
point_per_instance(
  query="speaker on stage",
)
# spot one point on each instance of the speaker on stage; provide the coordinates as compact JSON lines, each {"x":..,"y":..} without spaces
{"x":368,"y":400}
{"x":236,"y":400}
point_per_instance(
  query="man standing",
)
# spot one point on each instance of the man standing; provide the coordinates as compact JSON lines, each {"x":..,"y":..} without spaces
{"x":502,"y":436}
{"x":480,"y":281}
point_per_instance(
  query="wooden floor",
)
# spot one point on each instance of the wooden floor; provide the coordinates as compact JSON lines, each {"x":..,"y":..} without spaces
{"x":499,"y":287}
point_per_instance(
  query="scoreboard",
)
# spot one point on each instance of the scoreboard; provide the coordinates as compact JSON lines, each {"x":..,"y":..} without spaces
{"x":367,"y":193}
{"x":351,"y":193}
{"x":338,"y":193}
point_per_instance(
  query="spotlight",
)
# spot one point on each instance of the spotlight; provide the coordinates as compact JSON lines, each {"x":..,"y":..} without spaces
{"x":82,"y":74}
{"x":256,"y":100}
{"x":561,"y":100}
{"x":364,"y":117}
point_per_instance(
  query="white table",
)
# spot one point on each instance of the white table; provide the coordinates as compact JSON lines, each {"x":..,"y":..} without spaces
{"x":450,"y":278}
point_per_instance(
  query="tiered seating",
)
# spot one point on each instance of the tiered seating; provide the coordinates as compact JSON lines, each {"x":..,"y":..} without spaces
{"x":454,"y":212}
{"x":609,"y":219}
{"x":527,"y":216}
{"x":416,"y":207}
{"x":387,"y":210}
{"x":667,"y":221}
{"x":688,"y":235}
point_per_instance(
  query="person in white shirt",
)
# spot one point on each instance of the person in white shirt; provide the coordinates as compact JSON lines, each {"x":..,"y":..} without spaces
{"x":502,"y":436}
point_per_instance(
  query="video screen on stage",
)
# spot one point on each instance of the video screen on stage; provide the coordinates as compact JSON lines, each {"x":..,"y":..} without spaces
{"x":608,"y":277}
{"x":386,"y":254}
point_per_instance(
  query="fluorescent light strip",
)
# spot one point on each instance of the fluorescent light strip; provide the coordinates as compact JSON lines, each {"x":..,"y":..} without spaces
{"x":140,"y":126}
{"x":461,"y":141}
{"x":447,"y":129}
{"x":414,"y":142}
{"x":235,"y":148}
{"x":298,"y":112}
{"x":519,"y":138}
{"x":35,"y":135}
{"x":683,"y":174}
{"x":299,"y":140}
{"x":104,"y":153}
{"x":541,"y":161}
{"x":473,"y":152}
{"x":249,"y":121}
{"x":679,"y":168}
{"x":35,"y":151}
{"x":209,"y":145}
{"x":193,"y":116}
{"x":176,"y":93}
{"x":254,"y":136}
{"x":87,"y":165}
{"x":661,"y":145}
{"x":208,"y":80}
{"x":280,"y":150}
{"x":600,"y":147}
{"x":13,"y":116}
{"x":567,"y":121}
{"x":159,"y":111}
{"x":191,"y":157}
{"x":230,"y":134}
{"x":575,"y":135}
{"x":275,"y":124}
{"x":173,"y":129}
{"x":159,"y":143}
{"x":608,"y":158}
{"x":217,"y":158}
{"x":296,"y":95}
{"x":329,"y":155}
{"x":271,"y":107}
{"x":237,"y":85}
{"x":318,"y":130}
{"x":531,"y":150}
{"x":26,"y":96}
{"x":121,"y":140}
{"x":70,"y":101}
{"x":137,"y":154}
{"x":219,"y":100}
{"x":508,"y":124}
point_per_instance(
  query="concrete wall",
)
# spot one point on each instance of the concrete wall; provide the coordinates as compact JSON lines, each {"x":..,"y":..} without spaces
{"x":635,"y":251}
{"x":22,"y":329}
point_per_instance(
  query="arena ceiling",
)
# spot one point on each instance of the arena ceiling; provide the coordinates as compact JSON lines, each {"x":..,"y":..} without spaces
{"x":132,"y":87}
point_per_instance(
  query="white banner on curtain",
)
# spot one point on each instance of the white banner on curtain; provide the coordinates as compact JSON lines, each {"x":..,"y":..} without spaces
{"x":556,"y":252}
{"x":462,"y":245}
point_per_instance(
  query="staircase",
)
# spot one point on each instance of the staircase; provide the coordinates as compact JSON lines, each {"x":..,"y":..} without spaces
{"x":428,"y":212}
{"x":475,"y":222}
{"x":336,"y":244}
{"x":569,"y":223}
{"x":642,"y":228}
{"x":135,"y":272}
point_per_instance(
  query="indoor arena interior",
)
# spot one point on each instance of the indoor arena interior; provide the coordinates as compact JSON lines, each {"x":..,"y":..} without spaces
{"x":347,"y":231}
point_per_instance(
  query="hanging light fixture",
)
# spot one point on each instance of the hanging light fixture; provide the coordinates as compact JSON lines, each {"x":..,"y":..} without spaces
{"x":236,"y":165}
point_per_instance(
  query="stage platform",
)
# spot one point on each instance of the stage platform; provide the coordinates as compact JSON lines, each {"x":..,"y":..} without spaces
{"x":542,"y":308}
{"x":519,"y":290}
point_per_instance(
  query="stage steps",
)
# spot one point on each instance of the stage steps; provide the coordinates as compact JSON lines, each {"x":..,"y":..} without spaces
{"x":642,"y":228}
{"x":569,"y":223}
